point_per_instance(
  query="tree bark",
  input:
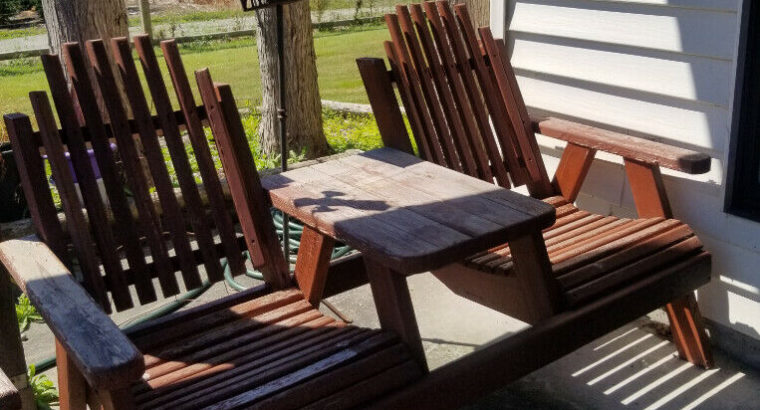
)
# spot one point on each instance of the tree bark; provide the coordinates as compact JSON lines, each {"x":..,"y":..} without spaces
{"x":480,"y":11}
{"x":304,"y":108}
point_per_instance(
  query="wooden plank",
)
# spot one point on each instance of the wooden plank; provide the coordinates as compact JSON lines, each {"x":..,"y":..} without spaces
{"x":688,"y":329}
{"x":534,"y":271}
{"x":88,"y":260}
{"x":106,"y":358}
{"x":176,"y":146}
{"x":630,"y":147}
{"x":72,"y":387}
{"x":147,"y":220}
{"x":85,"y":177}
{"x":476,"y":99}
{"x":313,"y":261}
{"x":117,"y":199}
{"x":451,"y":72}
{"x":172,"y":213}
{"x":648,"y":189}
{"x":502,"y":127}
{"x":214,"y":192}
{"x":394,"y":308}
{"x":423,"y":44}
{"x":244,"y":182}
{"x":572,"y":170}
{"x":9,"y":396}
{"x":384,"y":105}
{"x":406,"y":45}
{"x":13,"y":376}
{"x":35,"y":184}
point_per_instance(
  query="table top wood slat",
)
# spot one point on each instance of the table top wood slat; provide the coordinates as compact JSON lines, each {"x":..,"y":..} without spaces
{"x":406,"y":213}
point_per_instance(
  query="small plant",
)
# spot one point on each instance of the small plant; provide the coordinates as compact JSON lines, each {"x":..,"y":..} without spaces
{"x":26,"y":313}
{"x":45,"y":394}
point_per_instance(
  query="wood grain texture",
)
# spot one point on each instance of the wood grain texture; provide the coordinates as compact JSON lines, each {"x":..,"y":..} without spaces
{"x":98,"y":348}
{"x":72,"y":387}
{"x":9,"y":397}
{"x":312,"y":264}
{"x":572,"y":170}
{"x":634,"y":148}
{"x":403,"y":229}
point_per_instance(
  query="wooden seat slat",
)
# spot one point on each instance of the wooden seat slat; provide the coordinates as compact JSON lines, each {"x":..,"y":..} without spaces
{"x":85,"y":177}
{"x":124,"y":222}
{"x":219,"y":211}
{"x":172,"y":213}
{"x":72,"y":208}
{"x":147,"y":220}
{"x":197,"y":215}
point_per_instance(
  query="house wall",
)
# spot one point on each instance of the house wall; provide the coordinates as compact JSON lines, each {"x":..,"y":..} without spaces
{"x":663,"y":69}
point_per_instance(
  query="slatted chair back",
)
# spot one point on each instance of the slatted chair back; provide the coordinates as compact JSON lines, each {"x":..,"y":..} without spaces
{"x":445,"y":74}
{"x":132,"y":237}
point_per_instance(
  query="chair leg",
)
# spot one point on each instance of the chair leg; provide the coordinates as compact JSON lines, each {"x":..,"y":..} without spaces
{"x":72,"y":387}
{"x":117,"y":400}
{"x":688,"y":330}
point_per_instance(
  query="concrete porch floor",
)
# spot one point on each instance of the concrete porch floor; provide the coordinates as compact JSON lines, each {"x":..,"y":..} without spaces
{"x":633,"y":367}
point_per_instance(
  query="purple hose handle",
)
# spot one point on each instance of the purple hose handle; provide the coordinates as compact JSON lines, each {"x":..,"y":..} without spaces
{"x":93,"y":164}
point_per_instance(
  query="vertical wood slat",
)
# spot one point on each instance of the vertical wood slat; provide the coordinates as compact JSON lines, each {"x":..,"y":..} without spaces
{"x":384,"y":105}
{"x":572,"y":170}
{"x":123,"y":220}
{"x":251,"y":202}
{"x":450,"y":74}
{"x":423,"y":44}
{"x":412,"y":60}
{"x":214,"y":191}
{"x":503,"y":128}
{"x":539,"y":185}
{"x":148,"y":221}
{"x":312,"y":263}
{"x":72,"y":208}
{"x":419,"y":118}
{"x":99,"y":226}
{"x":450,"y":32}
{"x":184,"y":173}
{"x":149,"y":138}
{"x":35,"y":184}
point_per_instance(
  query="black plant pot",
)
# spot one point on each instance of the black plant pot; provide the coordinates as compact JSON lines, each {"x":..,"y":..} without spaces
{"x":12,"y":201}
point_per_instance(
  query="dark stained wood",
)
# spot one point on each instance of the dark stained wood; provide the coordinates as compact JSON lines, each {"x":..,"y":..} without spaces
{"x":12,"y":361}
{"x":634,"y":148}
{"x":85,"y":177}
{"x":106,"y":358}
{"x":72,"y":208}
{"x":172,"y":213}
{"x":572,"y":170}
{"x":312,"y":263}
{"x":9,"y":396}
{"x":534,"y":271}
{"x":148,"y":221}
{"x":72,"y":387}
{"x":384,"y":105}
{"x":117,"y":199}
{"x":394,"y":307}
{"x":220,"y":213}
{"x":243,"y":179}
{"x":174,"y":143}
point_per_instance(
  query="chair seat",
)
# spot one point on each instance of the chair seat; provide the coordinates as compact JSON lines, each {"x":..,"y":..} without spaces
{"x":593,"y":254}
{"x":274,"y":351}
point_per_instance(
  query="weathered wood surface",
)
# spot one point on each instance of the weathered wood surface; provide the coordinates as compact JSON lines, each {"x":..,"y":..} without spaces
{"x":106,"y":358}
{"x":630,"y":147}
{"x":410,"y":214}
{"x":9,"y":397}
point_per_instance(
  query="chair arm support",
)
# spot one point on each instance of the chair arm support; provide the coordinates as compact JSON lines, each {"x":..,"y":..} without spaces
{"x":629,"y":147}
{"x":102,"y":353}
{"x":9,"y":397}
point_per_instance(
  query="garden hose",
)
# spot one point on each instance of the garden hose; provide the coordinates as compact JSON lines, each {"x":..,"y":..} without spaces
{"x":294,"y":237}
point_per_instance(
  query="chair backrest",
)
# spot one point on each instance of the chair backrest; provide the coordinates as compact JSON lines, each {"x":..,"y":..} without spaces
{"x":140,"y":237}
{"x":461,"y":96}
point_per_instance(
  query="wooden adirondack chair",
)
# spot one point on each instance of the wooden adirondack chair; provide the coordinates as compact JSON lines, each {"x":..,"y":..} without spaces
{"x":466,"y":113}
{"x":268,"y":346}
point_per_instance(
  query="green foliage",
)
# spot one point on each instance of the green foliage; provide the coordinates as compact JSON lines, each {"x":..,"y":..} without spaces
{"x":350,"y":131}
{"x":45,"y":393}
{"x":26,"y":313}
{"x":20,"y":66}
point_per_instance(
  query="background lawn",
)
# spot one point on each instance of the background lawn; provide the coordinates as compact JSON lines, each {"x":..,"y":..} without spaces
{"x":230,"y":61}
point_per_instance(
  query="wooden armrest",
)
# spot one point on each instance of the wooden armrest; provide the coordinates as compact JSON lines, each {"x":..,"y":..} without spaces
{"x":627,"y":146}
{"x":105,"y":356}
{"x":9,"y":397}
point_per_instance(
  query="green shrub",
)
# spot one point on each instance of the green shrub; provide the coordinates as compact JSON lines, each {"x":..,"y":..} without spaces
{"x":45,"y":394}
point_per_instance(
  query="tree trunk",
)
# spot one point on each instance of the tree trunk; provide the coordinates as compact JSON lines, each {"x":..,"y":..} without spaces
{"x":304,"y":108}
{"x":480,"y":11}
{"x":82,"y":20}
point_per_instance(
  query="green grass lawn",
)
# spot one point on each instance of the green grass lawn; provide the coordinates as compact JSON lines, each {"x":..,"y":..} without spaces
{"x":234,"y":62}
